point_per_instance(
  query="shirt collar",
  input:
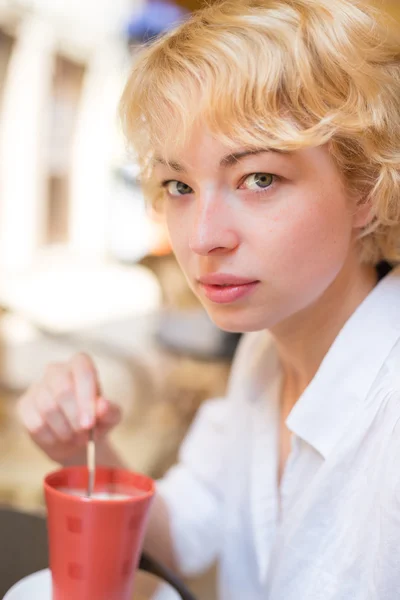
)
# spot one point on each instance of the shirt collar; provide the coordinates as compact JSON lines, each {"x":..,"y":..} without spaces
{"x":323,"y":412}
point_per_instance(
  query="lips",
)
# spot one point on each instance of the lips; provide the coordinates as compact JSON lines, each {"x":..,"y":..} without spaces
{"x":225,"y":288}
{"x":224,"y":279}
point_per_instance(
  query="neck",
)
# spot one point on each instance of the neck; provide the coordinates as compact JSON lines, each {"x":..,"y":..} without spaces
{"x":304,"y":339}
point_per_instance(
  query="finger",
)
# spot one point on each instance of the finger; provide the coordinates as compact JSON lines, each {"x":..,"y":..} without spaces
{"x":34,"y":423}
{"x":61,"y":384}
{"x":86,"y":388}
{"x":102,"y":406}
{"x":108,"y":420}
{"x":69,"y":407}
{"x":52,"y":415}
{"x":45,"y":438}
{"x":80,"y":439}
{"x":107,"y":411}
{"x":28,"y":414}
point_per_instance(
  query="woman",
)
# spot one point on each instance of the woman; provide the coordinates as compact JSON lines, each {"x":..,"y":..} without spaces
{"x":269,"y":132}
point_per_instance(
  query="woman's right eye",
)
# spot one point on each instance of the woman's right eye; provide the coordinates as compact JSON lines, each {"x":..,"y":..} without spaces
{"x":177,"y":188}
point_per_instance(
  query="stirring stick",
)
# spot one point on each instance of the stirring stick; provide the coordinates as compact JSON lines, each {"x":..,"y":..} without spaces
{"x":91,"y":461}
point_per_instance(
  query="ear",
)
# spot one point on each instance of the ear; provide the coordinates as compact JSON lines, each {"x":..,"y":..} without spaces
{"x":363,"y":213}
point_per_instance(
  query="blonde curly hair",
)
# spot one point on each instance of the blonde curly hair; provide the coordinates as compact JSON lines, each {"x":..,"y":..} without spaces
{"x":284,"y":74}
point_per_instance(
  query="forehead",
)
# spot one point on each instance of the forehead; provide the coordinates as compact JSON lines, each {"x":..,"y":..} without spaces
{"x":231,"y":159}
{"x":191,"y":143}
{"x":203,"y":147}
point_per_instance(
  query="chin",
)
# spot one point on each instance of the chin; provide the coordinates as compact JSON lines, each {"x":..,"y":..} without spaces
{"x":237,"y":321}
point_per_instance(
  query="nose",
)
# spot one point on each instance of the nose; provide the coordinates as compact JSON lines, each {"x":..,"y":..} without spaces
{"x":212,"y":230}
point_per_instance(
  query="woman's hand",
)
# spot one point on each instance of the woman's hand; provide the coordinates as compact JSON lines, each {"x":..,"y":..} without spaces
{"x":59,"y":410}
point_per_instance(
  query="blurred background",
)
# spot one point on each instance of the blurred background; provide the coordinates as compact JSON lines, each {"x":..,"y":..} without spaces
{"x":83,"y":265}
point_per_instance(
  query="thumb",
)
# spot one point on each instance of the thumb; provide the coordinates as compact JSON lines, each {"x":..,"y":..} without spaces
{"x":107,"y":413}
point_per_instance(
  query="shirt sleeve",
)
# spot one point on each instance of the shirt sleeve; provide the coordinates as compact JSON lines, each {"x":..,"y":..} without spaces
{"x":192,"y":490}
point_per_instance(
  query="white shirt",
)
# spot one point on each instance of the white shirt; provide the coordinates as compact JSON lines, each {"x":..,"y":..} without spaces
{"x":332,"y":530}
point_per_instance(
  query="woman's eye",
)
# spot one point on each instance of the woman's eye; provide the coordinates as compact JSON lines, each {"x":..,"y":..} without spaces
{"x":258,"y":181}
{"x":177,"y":188}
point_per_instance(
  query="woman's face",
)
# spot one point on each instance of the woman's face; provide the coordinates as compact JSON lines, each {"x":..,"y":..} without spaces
{"x":259,"y":236}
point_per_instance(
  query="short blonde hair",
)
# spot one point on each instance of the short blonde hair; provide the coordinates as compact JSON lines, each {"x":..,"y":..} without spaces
{"x":284,"y":74}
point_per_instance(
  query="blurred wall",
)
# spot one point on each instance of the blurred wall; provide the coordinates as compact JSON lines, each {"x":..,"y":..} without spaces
{"x":62,"y":64}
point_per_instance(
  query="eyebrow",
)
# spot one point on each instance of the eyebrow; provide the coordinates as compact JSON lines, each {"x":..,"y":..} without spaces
{"x":227,"y":161}
{"x":235,"y":157}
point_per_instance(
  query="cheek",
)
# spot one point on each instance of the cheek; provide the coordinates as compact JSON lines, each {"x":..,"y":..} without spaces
{"x":310,"y":238}
{"x":179,"y":237}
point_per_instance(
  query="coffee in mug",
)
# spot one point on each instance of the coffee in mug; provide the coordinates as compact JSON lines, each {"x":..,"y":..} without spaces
{"x":104,"y":495}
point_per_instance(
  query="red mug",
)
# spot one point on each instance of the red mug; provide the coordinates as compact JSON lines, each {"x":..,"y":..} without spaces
{"x":95,"y":544}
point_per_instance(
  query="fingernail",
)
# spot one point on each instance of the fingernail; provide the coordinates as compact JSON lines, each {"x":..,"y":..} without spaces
{"x":86,"y":421}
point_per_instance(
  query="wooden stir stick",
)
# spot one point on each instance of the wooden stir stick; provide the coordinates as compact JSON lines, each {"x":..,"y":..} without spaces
{"x":91,"y":461}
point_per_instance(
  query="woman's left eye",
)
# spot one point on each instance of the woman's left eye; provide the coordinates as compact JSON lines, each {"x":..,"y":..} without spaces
{"x":258,"y":181}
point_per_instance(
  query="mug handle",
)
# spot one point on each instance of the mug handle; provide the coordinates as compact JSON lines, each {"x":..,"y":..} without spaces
{"x":150,"y":565}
